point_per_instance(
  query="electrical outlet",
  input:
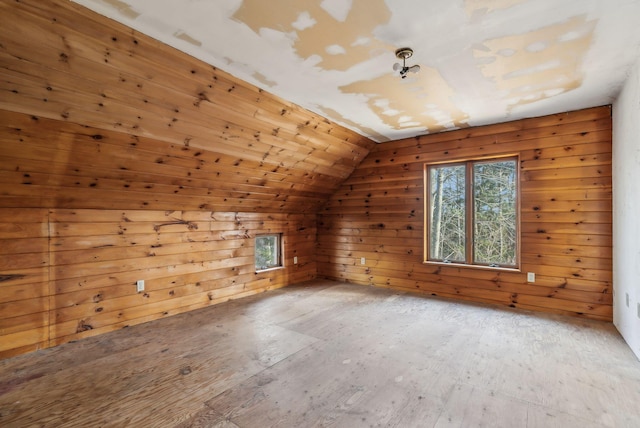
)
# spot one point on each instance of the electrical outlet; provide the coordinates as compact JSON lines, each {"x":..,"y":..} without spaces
{"x":531,"y":277}
{"x":139,"y":285}
{"x":362,"y":260}
{"x":295,"y":260}
{"x":627,"y":298}
{"x":638,"y":309}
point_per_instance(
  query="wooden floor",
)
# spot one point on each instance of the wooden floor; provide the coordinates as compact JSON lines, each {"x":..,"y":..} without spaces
{"x":333,"y":354}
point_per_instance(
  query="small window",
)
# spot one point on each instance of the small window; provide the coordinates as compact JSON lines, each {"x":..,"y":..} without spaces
{"x":268,"y":252}
{"x":472,"y":212}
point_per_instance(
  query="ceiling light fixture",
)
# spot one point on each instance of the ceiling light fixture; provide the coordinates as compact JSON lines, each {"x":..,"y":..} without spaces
{"x":403,"y":54}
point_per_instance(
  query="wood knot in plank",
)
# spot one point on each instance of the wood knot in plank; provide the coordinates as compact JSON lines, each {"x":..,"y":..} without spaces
{"x":10,"y":277}
{"x":202,"y":96}
{"x":82,"y":326}
{"x":190,"y":225}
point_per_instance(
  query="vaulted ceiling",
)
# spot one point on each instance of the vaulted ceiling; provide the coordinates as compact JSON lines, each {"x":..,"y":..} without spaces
{"x":482,"y":61}
{"x":96,"y":115}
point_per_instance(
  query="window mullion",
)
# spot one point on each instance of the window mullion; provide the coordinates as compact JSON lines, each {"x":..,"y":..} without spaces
{"x":469,"y":209}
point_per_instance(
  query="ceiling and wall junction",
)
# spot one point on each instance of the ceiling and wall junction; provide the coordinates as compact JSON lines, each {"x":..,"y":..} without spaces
{"x":482,"y":61}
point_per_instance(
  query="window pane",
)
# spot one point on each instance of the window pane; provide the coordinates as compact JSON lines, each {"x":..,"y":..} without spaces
{"x":267,"y":251}
{"x":447,"y":213}
{"x":494,"y":226}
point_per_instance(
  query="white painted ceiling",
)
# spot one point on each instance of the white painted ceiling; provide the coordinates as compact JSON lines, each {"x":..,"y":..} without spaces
{"x":482,"y":61}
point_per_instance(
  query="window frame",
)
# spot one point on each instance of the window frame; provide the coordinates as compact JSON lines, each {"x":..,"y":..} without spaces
{"x":279,"y":246}
{"x":470,"y":212}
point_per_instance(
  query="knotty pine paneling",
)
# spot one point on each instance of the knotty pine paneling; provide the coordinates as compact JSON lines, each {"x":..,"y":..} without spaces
{"x":565,"y":162}
{"x":68,"y":274}
{"x":24,"y":281}
{"x":106,"y":135}
{"x":119,"y":114}
{"x":60,"y":164}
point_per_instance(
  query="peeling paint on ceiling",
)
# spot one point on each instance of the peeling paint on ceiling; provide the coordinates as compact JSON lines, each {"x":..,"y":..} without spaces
{"x":482,"y":61}
{"x":540,"y":64}
{"x":485,"y":6}
{"x":187,"y":38}
{"x":122,"y":8}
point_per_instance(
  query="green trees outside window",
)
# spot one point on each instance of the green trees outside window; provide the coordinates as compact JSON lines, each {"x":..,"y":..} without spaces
{"x":472,"y":213}
{"x":267,"y":255}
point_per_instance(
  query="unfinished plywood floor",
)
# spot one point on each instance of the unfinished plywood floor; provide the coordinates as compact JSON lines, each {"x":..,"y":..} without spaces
{"x":333,"y":354}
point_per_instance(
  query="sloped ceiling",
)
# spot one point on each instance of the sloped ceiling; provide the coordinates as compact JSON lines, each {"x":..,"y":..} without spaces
{"x":482,"y":61}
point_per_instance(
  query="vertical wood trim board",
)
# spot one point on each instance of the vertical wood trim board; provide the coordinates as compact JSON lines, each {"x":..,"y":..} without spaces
{"x":80,"y":280}
{"x":566,"y":215}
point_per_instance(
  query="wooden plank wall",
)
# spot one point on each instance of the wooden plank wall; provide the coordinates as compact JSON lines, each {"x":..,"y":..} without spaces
{"x":565,"y":162}
{"x":106,"y":135}
{"x":188,"y":259}
{"x":68,"y":274}
{"x":24,"y":280}
{"x":235,"y":146}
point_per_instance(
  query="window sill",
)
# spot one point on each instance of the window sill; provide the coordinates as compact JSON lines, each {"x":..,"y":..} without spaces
{"x":481,"y":267}
{"x":269,"y":269}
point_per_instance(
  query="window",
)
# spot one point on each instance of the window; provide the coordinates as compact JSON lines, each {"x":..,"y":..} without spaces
{"x":471,"y":215}
{"x":268,"y":252}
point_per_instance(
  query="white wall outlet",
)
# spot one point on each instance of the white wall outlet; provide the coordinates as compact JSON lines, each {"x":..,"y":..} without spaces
{"x":295,"y":260}
{"x":627,"y":298}
{"x":531,"y":277}
{"x":363,"y":260}
{"x":139,"y":285}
